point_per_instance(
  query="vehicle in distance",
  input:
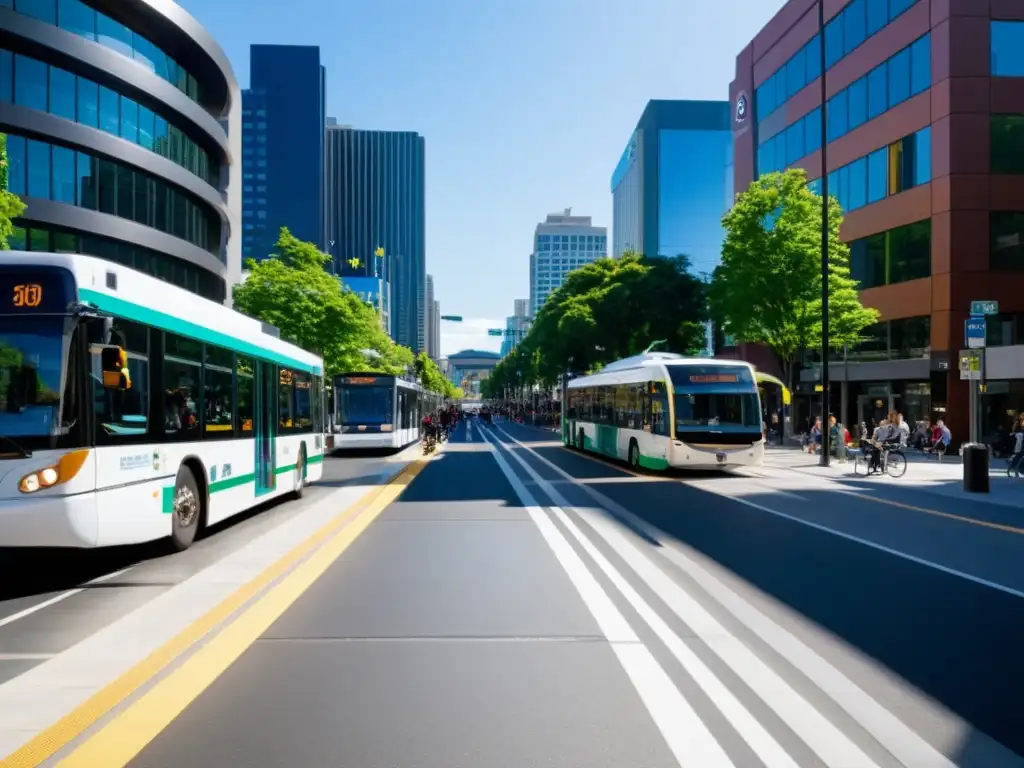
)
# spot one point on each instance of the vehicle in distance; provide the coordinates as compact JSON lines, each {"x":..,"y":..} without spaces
{"x":376,"y":411}
{"x":659,"y":410}
{"x":124,"y":421}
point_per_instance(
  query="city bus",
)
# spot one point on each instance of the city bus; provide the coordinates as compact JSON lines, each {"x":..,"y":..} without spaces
{"x":132,"y":410}
{"x":660,"y":410}
{"x":371,"y":410}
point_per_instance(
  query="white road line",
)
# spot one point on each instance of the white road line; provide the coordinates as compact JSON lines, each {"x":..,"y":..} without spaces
{"x":685,"y":733}
{"x":905,"y":744}
{"x":58,"y":598}
{"x":26,"y":656}
{"x":813,"y":728}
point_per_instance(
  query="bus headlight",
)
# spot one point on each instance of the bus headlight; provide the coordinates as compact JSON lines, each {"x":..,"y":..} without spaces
{"x":66,"y":468}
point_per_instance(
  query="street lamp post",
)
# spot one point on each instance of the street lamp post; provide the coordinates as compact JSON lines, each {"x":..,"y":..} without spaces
{"x":825,"y":447}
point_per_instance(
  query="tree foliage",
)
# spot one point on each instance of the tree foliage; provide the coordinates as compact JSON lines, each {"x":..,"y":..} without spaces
{"x":292,"y":291}
{"x":607,"y":310}
{"x":431,"y":378}
{"x":11,"y":206}
{"x":768,"y":287}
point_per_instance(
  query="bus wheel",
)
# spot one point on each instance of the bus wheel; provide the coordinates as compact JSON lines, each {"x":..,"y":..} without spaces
{"x":634,"y":455}
{"x":300,"y":473}
{"x":186,"y":510}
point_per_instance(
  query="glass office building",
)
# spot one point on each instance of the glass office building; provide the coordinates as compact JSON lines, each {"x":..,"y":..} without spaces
{"x":375,"y":198}
{"x":669,"y":188}
{"x":121,"y":127}
{"x":283,"y":121}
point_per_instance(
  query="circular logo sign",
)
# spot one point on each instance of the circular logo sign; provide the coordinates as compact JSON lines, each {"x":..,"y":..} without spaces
{"x":741,"y":107}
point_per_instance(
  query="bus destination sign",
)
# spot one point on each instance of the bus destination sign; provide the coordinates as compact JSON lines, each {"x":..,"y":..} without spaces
{"x":714,"y":378}
{"x":28,"y":292}
{"x":361,"y":380}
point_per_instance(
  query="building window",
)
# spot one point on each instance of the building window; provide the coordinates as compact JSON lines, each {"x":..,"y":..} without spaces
{"x":80,"y":19}
{"x":1007,"y":144}
{"x":1007,"y":48}
{"x":122,"y":191}
{"x":1006,"y":252}
{"x":892,"y":257}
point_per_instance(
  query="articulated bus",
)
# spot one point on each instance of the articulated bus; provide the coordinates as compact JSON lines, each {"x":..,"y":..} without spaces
{"x":132,"y":410}
{"x":660,"y":410}
{"x":376,"y":411}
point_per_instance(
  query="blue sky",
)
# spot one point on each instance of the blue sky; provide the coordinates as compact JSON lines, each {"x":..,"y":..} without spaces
{"x":525,"y":107}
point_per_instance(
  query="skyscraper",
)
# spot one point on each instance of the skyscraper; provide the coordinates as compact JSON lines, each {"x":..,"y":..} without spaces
{"x":562,"y":243}
{"x":435,"y":329}
{"x":282,"y":147}
{"x":431,"y":349}
{"x":516,"y":326}
{"x":375,"y":200}
{"x":669,"y":188}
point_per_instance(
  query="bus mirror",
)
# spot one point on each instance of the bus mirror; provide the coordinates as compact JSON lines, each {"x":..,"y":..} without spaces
{"x":114,"y":361}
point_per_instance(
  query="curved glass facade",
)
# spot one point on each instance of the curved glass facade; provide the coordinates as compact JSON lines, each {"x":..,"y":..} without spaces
{"x":78,"y":18}
{"x":53,"y":172}
{"x":35,"y":84}
{"x":43,"y":237}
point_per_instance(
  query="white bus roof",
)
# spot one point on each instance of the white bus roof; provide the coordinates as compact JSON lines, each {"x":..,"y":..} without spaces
{"x":637,"y":369}
{"x":144,"y":299}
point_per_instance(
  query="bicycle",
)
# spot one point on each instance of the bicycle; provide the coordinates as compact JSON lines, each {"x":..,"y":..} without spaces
{"x":429,"y":443}
{"x":893,"y":461}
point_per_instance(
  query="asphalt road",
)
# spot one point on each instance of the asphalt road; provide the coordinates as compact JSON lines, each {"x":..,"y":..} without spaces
{"x":522,"y":605}
{"x":51,"y":600}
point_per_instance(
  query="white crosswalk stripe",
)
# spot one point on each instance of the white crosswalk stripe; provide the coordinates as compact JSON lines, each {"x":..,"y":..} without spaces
{"x":881,"y":739}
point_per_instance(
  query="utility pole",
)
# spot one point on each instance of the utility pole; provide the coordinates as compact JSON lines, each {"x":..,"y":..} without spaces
{"x":825,"y":434}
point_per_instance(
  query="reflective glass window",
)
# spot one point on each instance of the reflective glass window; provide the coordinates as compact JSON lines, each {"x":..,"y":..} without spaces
{"x":110,"y":111}
{"x":38,"y":158}
{"x":878,"y":91}
{"x":62,"y":93}
{"x":922,"y":156}
{"x":1007,"y":144}
{"x":146,"y":127}
{"x":1006,"y":250}
{"x":129,"y":120}
{"x":909,"y":251}
{"x":795,"y":142}
{"x":854,"y":25}
{"x":878,"y":175}
{"x":858,"y":184}
{"x":833,"y":41}
{"x":107,"y":178}
{"x":1007,"y":48}
{"x":88,"y":103}
{"x":44,"y":10}
{"x":16,"y":164}
{"x":857,"y":95}
{"x":86,"y":172}
{"x":796,"y":73}
{"x":899,"y":7}
{"x":921,"y":65}
{"x":125,"y":192}
{"x":6,"y":76}
{"x":76,"y":17}
{"x":867,"y":261}
{"x":813,"y":58}
{"x":837,"y":116}
{"x":30,"y":83}
{"x":899,"y":78}
{"x":877,"y":15}
{"x":812,"y":130}
{"x":64,"y":180}
{"x":113,"y":35}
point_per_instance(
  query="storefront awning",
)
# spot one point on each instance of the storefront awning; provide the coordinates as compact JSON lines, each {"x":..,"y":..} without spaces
{"x":767,"y":378}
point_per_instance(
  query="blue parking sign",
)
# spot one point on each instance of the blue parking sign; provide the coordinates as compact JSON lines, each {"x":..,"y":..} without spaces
{"x":974,"y":332}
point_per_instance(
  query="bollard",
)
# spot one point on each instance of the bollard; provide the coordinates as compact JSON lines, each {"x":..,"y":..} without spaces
{"x":975,"y":457}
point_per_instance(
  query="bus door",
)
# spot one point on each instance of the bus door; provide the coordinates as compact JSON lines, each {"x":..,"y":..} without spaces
{"x":265,"y":427}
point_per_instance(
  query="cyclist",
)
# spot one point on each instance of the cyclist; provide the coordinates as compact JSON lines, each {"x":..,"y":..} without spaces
{"x":887,"y":431}
{"x":445,"y":420}
{"x":429,"y":430}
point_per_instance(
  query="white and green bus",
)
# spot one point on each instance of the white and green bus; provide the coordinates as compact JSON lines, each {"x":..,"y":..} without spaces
{"x":659,"y":410}
{"x":132,"y":410}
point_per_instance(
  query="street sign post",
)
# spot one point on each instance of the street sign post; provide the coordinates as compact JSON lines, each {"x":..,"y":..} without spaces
{"x":452,"y":318}
{"x":495,"y":332}
{"x":984,"y":307}
{"x":974,"y":332}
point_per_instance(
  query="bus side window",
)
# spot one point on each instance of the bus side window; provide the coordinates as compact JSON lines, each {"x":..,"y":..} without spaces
{"x":122,"y":416}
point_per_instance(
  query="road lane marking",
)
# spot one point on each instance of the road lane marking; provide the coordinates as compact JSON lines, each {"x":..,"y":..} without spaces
{"x":684,"y":732}
{"x":46,"y":743}
{"x":26,"y":656}
{"x":886,"y":728}
{"x":130,"y":731}
{"x":61,"y":597}
{"x":807,"y":723}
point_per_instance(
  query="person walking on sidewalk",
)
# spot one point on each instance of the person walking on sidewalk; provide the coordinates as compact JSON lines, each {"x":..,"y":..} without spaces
{"x":1018,"y":446}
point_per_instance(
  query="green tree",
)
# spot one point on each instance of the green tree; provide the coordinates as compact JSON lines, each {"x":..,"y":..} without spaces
{"x":609,"y":309}
{"x":11,"y":206}
{"x":768,"y":287}
{"x":292,"y":291}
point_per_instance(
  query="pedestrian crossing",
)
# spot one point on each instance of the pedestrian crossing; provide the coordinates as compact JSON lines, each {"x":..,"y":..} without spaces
{"x":725,"y":683}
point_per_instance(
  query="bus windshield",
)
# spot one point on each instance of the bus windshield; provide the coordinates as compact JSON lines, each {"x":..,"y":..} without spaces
{"x":31,"y":363}
{"x":715,"y":397}
{"x":365,"y":405}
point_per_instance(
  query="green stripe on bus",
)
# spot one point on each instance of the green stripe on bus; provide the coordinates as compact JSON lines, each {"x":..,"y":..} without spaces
{"x":157,"y":319}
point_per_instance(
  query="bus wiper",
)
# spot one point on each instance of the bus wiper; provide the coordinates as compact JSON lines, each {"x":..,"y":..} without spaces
{"x":23,"y":453}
